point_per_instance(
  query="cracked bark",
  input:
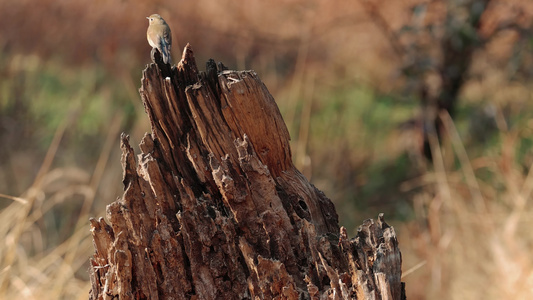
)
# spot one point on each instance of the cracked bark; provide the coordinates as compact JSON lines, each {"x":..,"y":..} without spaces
{"x":213,"y":207}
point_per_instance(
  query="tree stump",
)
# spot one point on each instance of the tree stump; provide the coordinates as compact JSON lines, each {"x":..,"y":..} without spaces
{"x":213,"y":207}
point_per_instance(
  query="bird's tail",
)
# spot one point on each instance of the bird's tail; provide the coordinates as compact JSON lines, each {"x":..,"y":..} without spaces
{"x":166,"y":54}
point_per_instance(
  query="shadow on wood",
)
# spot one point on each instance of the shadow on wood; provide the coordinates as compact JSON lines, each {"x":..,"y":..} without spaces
{"x":213,"y":207}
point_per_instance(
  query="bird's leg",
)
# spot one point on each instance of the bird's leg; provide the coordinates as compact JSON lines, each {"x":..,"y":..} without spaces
{"x":152,"y":54}
{"x":157,"y":59}
{"x":156,"y":56}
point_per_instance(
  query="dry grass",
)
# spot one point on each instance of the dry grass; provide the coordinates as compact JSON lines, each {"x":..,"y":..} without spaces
{"x":471,"y":236}
{"x":47,"y":242}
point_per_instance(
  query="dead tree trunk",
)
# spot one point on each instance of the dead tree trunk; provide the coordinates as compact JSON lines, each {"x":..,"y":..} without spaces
{"x":213,"y":208}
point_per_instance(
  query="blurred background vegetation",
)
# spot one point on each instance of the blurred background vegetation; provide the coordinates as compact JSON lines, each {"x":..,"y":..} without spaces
{"x":419,"y":109}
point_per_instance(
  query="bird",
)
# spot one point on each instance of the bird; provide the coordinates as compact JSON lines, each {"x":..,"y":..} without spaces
{"x":159,"y":36}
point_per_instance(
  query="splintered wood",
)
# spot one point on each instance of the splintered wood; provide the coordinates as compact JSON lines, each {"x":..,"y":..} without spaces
{"x":213,"y":207}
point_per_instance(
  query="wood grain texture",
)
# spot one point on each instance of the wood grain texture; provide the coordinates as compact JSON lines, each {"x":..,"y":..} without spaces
{"x":213,"y":207}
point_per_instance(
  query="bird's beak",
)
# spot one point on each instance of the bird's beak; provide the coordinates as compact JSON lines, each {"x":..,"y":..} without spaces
{"x":148,"y":18}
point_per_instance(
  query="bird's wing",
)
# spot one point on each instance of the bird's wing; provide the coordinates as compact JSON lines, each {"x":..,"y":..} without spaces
{"x":167,"y":38}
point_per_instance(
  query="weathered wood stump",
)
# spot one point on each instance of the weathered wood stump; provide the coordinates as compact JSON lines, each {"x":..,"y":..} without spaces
{"x":213,"y":208}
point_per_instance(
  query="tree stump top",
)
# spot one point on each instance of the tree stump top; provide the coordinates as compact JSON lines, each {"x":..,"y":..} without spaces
{"x":213,"y":207}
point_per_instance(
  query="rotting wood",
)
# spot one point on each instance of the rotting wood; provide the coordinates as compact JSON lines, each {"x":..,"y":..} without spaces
{"x":213,"y":207}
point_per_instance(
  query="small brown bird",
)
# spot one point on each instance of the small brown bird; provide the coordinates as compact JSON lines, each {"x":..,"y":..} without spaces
{"x":159,"y":36}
